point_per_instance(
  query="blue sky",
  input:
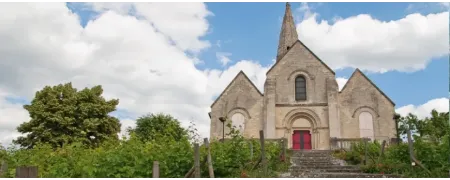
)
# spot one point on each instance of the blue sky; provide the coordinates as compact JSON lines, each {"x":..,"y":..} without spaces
{"x":102,"y":43}
{"x":252,"y":30}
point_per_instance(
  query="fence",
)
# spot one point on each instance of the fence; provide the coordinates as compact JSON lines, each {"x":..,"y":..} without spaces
{"x":32,"y":171}
{"x":346,"y":143}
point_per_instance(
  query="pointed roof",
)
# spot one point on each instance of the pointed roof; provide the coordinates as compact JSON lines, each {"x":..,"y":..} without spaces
{"x":232,"y":81}
{"x":373,"y":84}
{"x":288,"y":33}
{"x":312,"y":53}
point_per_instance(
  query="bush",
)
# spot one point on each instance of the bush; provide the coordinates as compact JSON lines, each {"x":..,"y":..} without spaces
{"x":396,"y":158}
{"x":134,"y":158}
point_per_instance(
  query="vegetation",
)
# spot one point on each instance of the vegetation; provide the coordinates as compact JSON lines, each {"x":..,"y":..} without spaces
{"x":153,"y":127}
{"x":134,"y":158}
{"x":61,"y":115}
{"x":431,"y":147}
{"x":71,"y":135}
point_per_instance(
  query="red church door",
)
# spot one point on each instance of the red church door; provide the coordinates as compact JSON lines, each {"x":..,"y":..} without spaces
{"x":301,"y":139}
{"x":306,"y":140}
{"x":296,"y":140}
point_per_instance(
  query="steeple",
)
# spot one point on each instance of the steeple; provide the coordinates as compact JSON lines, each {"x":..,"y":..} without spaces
{"x":288,"y":34}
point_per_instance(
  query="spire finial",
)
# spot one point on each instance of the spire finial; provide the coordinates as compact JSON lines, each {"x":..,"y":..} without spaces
{"x":288,"y":34}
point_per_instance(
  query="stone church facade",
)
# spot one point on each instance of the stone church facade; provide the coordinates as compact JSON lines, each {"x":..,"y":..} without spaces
{"x":302,"y":101}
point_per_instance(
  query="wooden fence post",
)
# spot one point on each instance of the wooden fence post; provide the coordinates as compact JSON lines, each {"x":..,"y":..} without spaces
{"x":263,"y":152}
{"x":383,"y":145}
{"x":251,"y":149}
{"x":209,"y":159}
{"x":285,"y":144}
{"x":411,"y":153}
{"x":27,"y":172}
{"x":365,"y":151}
{"x":3,"y":169}
{"x":155,"y":169}
{"x":196,"y":161}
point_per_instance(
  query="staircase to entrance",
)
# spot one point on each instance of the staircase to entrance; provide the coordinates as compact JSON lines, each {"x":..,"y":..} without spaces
{"x":321,"y":164}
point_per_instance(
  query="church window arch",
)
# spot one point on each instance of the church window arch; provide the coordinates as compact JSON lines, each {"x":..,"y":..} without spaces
{"x":238,"y":122}
{"x":300,"y":88}
{"x":366,"y":125}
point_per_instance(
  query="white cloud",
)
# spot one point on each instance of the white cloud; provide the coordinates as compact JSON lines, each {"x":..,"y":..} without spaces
{"x":218,"y":80}
{"x":223,"y":57}
{"x":183,"y":23}
{"x":341,"y":82}
{"x":424,"y":110}
{"x":11,"y":116}
{"x":361,"y":41}
{"x":141,"y":61}
{"x":144,"y":61}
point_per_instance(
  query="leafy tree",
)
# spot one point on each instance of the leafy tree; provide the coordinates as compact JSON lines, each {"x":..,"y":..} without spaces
{"x":433,"y":128}
{"x":437,"y":126}
{"x":158,"y":126}
{"x":62,"y":115}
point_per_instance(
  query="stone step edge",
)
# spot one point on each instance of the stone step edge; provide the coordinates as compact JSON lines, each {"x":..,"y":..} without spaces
{"x":320,"y":170}
{"x":348,"y":173}
{"x":325,"y":167}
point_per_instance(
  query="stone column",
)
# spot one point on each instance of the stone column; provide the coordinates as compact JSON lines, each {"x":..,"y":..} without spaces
{"x":269,"y":102}
{"x":289,"y":137}
{"x":316,"y":139}
{"x":334,"y":122}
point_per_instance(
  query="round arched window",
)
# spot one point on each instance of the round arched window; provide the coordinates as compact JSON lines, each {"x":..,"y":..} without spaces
{"x":238,"y":122}
{"x":366,"y":125}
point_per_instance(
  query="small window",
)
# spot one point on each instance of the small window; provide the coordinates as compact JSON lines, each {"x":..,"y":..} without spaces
{"x":300,"y":88}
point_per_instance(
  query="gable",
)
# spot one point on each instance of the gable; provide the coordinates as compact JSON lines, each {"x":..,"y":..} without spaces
{"x":358,"y":75}
{"x":240,"y":78}
{"x":297,"y":45}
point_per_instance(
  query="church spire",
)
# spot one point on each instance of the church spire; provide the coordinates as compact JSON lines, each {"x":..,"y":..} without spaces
{"x":288,"y":34}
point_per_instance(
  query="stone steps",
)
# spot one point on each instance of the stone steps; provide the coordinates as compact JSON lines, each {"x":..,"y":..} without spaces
{"x":342,"y":175}
{"x":338,"y":170}
{"x":321,"y":164}
{"x":325,"y":167}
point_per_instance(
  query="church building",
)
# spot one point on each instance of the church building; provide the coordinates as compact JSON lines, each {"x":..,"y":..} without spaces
{"x":302,"y":102}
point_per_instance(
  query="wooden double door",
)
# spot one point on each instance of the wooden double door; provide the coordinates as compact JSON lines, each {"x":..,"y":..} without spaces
{"x":301,"y":139}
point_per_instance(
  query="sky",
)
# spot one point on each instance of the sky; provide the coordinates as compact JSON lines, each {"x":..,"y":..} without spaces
{"x":177,"y":58}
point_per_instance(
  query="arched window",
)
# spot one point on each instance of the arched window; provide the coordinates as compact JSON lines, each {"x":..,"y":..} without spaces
{"x":366,"y":125}
{"x":238,"y":122}
{"x":300,"y":88}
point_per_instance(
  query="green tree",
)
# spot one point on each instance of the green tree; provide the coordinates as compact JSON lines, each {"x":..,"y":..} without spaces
{"x":62,"y":115}
{"x":159,"y":126}
{"x":437,"y":126}
{"x":413,"y":123}
{"x":432,"y":128}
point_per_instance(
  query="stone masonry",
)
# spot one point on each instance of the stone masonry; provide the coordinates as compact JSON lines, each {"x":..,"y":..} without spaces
{"x":321,"y":164}
{"x":326,"y":113}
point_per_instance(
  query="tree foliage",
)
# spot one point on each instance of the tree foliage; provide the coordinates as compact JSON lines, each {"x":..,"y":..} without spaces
{"x":431,"y":147}
{"x":158,"y":126}
{"x":128,"y":158}
{"x":61,"y":115}
{"x":432,"y":128}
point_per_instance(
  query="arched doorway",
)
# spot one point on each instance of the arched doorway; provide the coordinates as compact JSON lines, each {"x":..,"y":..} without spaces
{"x":366,"y":125}
{"x":301,"y":133}
{"x":238,"y":122}
{"x":305,"y":123}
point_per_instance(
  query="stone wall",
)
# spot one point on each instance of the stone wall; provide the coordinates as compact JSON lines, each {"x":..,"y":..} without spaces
{"x":241,"y":96}
{"x":300,"y":61}
{"x":360,"y":95}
